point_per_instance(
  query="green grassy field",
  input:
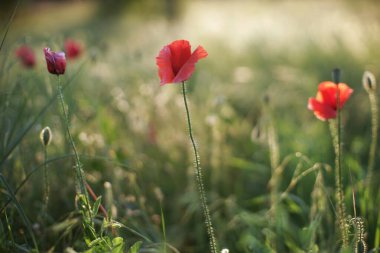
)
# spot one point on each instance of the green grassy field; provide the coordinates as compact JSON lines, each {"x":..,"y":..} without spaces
{"x":268,"y":162}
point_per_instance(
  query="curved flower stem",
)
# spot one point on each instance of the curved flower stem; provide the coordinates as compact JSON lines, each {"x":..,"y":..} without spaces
{"x":199,"y":179}
{"x":80,"y":180}
{"x":373,"y":147}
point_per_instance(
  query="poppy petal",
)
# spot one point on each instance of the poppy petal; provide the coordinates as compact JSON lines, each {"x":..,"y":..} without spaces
{"x":180,"y":53}
{"x":188,"y":68}
{"x":321,"y":111}
{"x":345,"y":93}
{"x":60,"y":62}
{"x":165,"y":70}
{"x":49,"y":60}
{"x":328,"y":93}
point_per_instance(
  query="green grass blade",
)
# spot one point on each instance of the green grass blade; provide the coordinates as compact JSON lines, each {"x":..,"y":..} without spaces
{"x":20,"y":211}
{"x":34,"y":121}
{"x":377,"y":234}
{"x":9,"y":24}
{"x":29,"y":175}
{"x":163,"y":227}
{"x":135,"y":247}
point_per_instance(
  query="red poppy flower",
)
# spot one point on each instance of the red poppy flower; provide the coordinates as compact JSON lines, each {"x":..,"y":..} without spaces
{"x":73,"y":49}
{"x":26,"y":55}
{"x":176,"y":63}
{"x":56,"y":61}
{"x":324,"y":104}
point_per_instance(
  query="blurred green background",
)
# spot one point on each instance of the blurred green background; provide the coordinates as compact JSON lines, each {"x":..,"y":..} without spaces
{"x":132,"y":133}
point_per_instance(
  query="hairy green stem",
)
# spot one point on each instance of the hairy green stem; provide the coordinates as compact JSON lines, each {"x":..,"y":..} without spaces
{"x":46,"y":181}
{"x":339,"y":184}
{"x":336,"y":135}
{"x":80,"y":181}
{"x":276,"y":172}
{"x":199,"y":179}
{"x":373,"y":147}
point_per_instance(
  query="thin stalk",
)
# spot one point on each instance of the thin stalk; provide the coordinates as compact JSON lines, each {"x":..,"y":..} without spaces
{"x":377,"y":233}
{"x":298,"y":178}
{"x":80,"y":181}
{"x":276,"y":168}
{"x":373,"y":147}
{"x":336,"y":134}
{"x":9,"y":227}
{"x":358,"y":224}
{"x":163,"y":227}
{"x":9,"y":24}
{"x":275,"y":179}
{"x":46,"y":182}
{"x":199,"y":179}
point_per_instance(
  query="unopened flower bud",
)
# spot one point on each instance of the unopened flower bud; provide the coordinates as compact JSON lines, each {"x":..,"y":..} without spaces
{"x":56,"y":61}
{"x":336,"y":75}
{"x":46,"y":136}
{"x":369,"y":81}
{"x":158,"y":193}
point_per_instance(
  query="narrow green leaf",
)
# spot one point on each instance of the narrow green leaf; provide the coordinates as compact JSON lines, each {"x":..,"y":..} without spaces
{"x":377,"y":235}
{"x":118,"y":245}
{"x":135,"y":247}
{"x":20,"y":210}
{"x":95,"y":207}
{"x":163,"y":226}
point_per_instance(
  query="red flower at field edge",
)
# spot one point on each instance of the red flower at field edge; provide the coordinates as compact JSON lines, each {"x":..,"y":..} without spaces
{"x":176,"y":63}
{"x":324,"y":103}
{"x":56,"y":61}
{"x":27,"y":56}
{"x":73,"y":49}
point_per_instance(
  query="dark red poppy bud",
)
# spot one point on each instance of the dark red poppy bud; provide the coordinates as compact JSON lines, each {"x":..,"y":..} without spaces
{"x":73,"y":49}
{"x":26,"y":55}
{"x":56,"y":61}
{"x":336,"y":75}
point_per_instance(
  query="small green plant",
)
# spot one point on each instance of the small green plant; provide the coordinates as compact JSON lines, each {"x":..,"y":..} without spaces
{"x":96,"y":241}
